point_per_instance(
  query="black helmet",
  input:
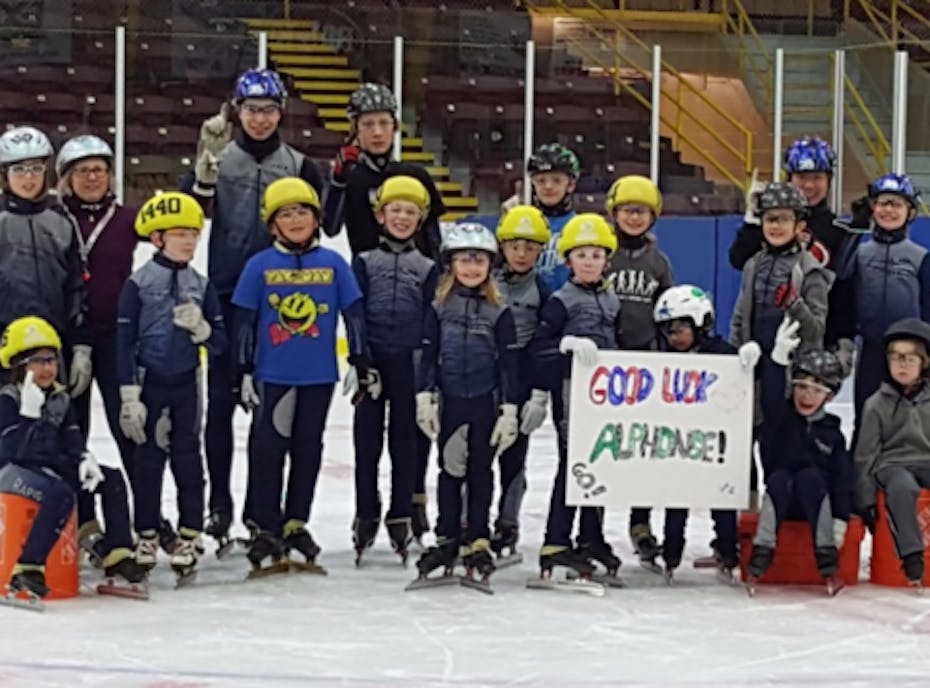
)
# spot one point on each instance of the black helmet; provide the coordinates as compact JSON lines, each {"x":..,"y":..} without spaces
{"x":554,"y":157}
{"x":778,"y":195}
{"x":822,"y":365}
{"x":908,"y":328}
{"x":371,"y":97}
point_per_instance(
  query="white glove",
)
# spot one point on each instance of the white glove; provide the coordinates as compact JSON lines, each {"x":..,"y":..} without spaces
{"x":89,"y":472}
{"x":188,"y":316}
{"x":752,"y":199}
{"x":505,"y":429}
{"x":584,"y":349}
{"x":533,"y":412}
{"x":839,"y":532}
{"x":132,"y":413}
{"x":749,"y":354}
{"x":215,"y":133}
{"x":248,"y":395}
{"x":31,"y":398}
{"x":428,"y":414}
{"x":207,"y":169}
{"x":356,"y":388}
{"x":845,"y":354}
{"x":82,"y":370}
{"x":786,"y":341}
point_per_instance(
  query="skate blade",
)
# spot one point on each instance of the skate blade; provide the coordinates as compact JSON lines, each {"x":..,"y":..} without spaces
{"x":27,"y":601}
{"x":751,"y":589}
{"x":478,"y":584}
{"x":185,"y":578}
{"x":652,"y":567}
{"x":603,"y":579}
{"x":129,"y":591}
{"x":271,"y":570}
{"x":726,"y":577}
{"x":669,"y":577}
{"x":835,"y":586}
{"x":572,"y":586}
{"x":917,"y":588}
{"x":232,"y":547}
{"x":307,"y":567}
{"x":434,"y":582}
{"x":502,"y":561}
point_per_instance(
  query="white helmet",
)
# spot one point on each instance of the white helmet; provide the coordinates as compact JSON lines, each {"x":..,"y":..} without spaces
{"x":468,"y":236}
{"x":685,"y":302}
{"x":80,"y":147}
{"x":23,"y":143}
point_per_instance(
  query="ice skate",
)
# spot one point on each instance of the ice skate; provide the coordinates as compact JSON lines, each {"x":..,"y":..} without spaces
{"x":184,"y":560}
{"x":167,"y":538}
{"x":364,"y":532}
{"x":834,"y":584}
{"x":725,"y":559}
{"x":759,"y":563}
{"x":913,"y":567}
{"x":26,"y":589}
{"x":751,"y":582}
{"x":217,"y":527}
{"x":266,"y":554}
{"x":147,"y":549}
{"x":124,"y":577}
{"x":443,"y":554}
{"x":297,"y":540}
{"x":400,"y":534}
{"x":646,"y":547}
{"x":479,"y":565}
{"x":556,"y":555}
{"x":603,"y":554}
{"x":90,"y":540}
{"x":419,"y":520}
{"x":504,"y":546}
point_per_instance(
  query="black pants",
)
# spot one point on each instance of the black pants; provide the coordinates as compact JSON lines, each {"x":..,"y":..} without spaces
{"x":289,"y":422}
{"x":802,"y":494}
{"x":368,"y":432}
{"x":115,"y":505}
{"x":221,"y":406}
{"x":871,"y":365}
{"x":465,"y":457}
{"x":172,"y":435}
{"x":56,"y":500}
{"x":561,"y":517}
{"x":512,"y":461}
{"x":673,"y":544}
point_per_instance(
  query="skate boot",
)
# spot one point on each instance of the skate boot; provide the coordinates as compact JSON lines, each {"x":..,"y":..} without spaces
{"x":364,"y":531}
{"x":672,"y":551}
{"x":504,"y":545}
{"x":297,"y":539}
{"x":167,"y":538}
{"x":266,"y":546}
{"x":419,"y":520}
{"x":551,"y":556}
{"x":725,"y":559}
{"x":913,"y":566}
{"x":123,"y":576}
{"x":443,"y":554}
{"x":185,"y":557}
{"x":218,"y":523}
{"x":602,"y":553}
{"x":759,"y":563}
{"x":90,"y":540}
{"x":827,"y":564}
{"x":147,"y":549}
{"x":646,"y":547}
{"x":26,"y":588}
{"x":400,"y":533}
{"x":479,"y":565}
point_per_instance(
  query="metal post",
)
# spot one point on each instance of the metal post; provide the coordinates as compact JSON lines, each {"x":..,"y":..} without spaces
{"x":263,"y":50}
{"x":528,"y":113}
{"x":398,"y":91}
{"x":777,"y":114}
{"x":839,"y":122}
{"x":655,"y":123}
{"x":119,"y":114}
{"x":899,"y":114}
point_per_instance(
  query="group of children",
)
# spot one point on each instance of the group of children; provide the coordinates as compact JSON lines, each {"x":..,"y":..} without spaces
{"x":464,"y":348}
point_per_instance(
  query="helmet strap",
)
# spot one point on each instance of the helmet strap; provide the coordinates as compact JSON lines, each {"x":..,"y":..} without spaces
{"x":633,"y":242}
{"x":563,"y":207}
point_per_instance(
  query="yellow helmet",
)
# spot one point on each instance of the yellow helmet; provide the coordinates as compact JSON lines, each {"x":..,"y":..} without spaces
{"x":524,"y":222}
{"x":634,"y":189}
{"x":26,"y":334}
{"x":288,"y":191}
{"x":587,"y":229}
{"x":402,"y":188}
{"x":168,"y":211}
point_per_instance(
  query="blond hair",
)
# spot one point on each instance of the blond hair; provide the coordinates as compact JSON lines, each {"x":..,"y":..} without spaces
{"x":488,"y":288}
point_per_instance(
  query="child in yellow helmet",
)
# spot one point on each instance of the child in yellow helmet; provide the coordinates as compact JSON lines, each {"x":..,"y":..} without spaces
{"x":167,"y":311}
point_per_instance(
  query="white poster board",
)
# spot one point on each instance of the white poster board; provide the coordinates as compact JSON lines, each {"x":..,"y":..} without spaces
{"x":660,"y":429}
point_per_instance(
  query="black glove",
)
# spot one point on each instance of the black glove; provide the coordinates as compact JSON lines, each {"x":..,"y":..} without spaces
{"x":861,"y":213}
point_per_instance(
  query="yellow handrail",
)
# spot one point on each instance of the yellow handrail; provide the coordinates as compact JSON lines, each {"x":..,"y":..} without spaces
{"x":882,"y":146}
{"x":895,"y":28}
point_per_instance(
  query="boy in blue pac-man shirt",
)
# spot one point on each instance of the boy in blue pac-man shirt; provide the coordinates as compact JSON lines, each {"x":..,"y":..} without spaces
{"x":287,"y":301}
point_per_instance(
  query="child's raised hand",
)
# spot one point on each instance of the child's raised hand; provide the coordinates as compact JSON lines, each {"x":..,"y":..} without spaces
{"x":31,"y":398}
{"x":786,"y":341}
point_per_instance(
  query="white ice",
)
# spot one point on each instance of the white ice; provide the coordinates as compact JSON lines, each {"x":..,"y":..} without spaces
{"x":357,"y":627}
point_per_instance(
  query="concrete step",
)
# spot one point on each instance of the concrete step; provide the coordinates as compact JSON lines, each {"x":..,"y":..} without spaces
{"x":296,"y":35}
{"x":263,"y":24}
{"x":301,"y":48}
{"x":438,"y":172}
{"x":293,"y":60}
{"x":334,"y":86}
{"x":323,"y":73}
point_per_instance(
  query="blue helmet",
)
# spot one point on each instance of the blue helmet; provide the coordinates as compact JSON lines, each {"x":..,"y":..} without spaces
{"x":260,"y":83}
{"x":898,"y":184}
{"x":809,"y":155}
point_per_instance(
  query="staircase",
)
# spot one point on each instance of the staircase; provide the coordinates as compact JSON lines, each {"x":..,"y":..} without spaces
{"x":325,"y":78}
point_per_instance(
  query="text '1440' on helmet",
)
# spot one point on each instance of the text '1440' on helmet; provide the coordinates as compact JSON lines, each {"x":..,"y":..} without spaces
{"x":27,"y":334}
{"x":782,"y":195}
{"x":402,"y":188}
{"x":260,"y":83}
{"x":171,"y":210}
{"x":23,"y":143}
{"x":897,"y":184}
{"x":79,"y":148}
{"x":821,"y":365}
{"x":371,"y":97}
{"x":685,"y":302}
{"x":554,"y":157}
{"x":809,"y":155}
{"x":468,"y":236}
{"x":524,"y":222}
{"x":288,"y":191}
{"x":587,"y":229}
{"x":634,"y":189}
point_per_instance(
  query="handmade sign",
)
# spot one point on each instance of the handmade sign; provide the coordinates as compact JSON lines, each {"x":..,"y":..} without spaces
{"x":659,"y":429}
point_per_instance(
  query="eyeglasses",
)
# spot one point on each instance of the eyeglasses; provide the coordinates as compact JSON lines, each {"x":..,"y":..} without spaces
{"x":631,"y":210}
{"x":894,"y":203}
{"x":380,"y":123}
{"x":291,"y":214}
{"x":36,"y":169}
{"x":252,"y":109}
{"x":95,"y":171}
{"x":41,"y":359}
{"x":673,"y":327}
{"x":909,"y":360}
{"x":476,"y":257}
{"x":811,"y":387}
{"x":781,"y":219}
